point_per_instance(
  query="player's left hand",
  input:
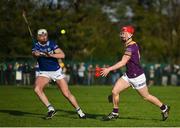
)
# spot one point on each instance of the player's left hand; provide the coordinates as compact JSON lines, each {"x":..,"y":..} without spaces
{"x":105,"y":72}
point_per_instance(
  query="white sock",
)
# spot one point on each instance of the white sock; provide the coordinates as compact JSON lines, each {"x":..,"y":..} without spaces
{"x":50,"y":107}
{"x":115,"y":113}
{"x":79,"y":111}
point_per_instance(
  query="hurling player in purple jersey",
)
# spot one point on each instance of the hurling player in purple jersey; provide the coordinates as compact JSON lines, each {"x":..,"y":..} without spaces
{"x":47,"y":53}
{"x":134,"y":76}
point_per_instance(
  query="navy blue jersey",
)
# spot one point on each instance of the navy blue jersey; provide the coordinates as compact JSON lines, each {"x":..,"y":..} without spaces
{"x":47,"y":63}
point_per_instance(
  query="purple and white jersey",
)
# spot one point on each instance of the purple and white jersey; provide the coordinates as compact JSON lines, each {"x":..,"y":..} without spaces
{"x":133,"y":66}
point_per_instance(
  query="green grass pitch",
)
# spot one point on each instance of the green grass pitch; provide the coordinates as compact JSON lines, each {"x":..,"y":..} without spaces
{"x":19,"y":106}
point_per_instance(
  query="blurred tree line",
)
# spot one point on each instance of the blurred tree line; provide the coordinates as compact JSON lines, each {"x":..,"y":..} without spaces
{"x":92,"y":27}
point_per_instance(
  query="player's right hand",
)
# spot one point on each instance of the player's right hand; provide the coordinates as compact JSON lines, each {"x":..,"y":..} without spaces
{"x":104,"y":72}
{"x":38,"y":53}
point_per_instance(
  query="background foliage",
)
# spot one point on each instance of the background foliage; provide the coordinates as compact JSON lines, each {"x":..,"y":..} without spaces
{"x":91,"y":33}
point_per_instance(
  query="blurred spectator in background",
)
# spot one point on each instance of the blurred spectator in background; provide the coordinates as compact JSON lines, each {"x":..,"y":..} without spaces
{"x":17,"y":73}
{"x":2,"y":73}
{"x":90,"y":79}
{"x":26,"y":74}
{"x":68,"y":73}
{"x":158,"y":73}
{"x":178,"y":75}
{"x":74,"y":74}
{"x":32,"y":73}
{"x":9,"y":75}
{"x":151,"y":75}
{"x":165,"y":76}
{"x":18,"y":70}
{"x":174,"y":75}
{"x":81,"y":73}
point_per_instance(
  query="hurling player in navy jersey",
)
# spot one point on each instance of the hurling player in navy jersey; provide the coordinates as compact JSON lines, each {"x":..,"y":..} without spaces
{"x":134,"y":75}
{"x":47,"y":53}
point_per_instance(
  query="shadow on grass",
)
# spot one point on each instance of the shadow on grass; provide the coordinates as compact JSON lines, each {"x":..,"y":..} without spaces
{"x":61,"y":113}
{"x":138,"y":118}
{"x":19,"y":113}
{"x":72,"y":113}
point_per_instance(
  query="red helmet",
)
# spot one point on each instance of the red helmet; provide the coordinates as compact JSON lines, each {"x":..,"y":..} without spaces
{"x":128,"y":28}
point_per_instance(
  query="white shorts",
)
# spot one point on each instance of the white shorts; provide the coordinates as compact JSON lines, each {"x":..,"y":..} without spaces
{"x":137,"y":82}
{"x":54,"y":75}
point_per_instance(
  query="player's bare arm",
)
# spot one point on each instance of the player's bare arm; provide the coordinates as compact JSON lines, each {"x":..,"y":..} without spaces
{"x":58,"y":53}
{"x":118,"y":65}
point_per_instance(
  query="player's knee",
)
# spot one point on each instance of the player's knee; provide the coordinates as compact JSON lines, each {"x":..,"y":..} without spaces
{"x":114,"y":92}
{"x":37,"y":89}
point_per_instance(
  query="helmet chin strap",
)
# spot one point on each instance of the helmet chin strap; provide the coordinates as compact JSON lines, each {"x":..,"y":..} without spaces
{"x":129,"y":36}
